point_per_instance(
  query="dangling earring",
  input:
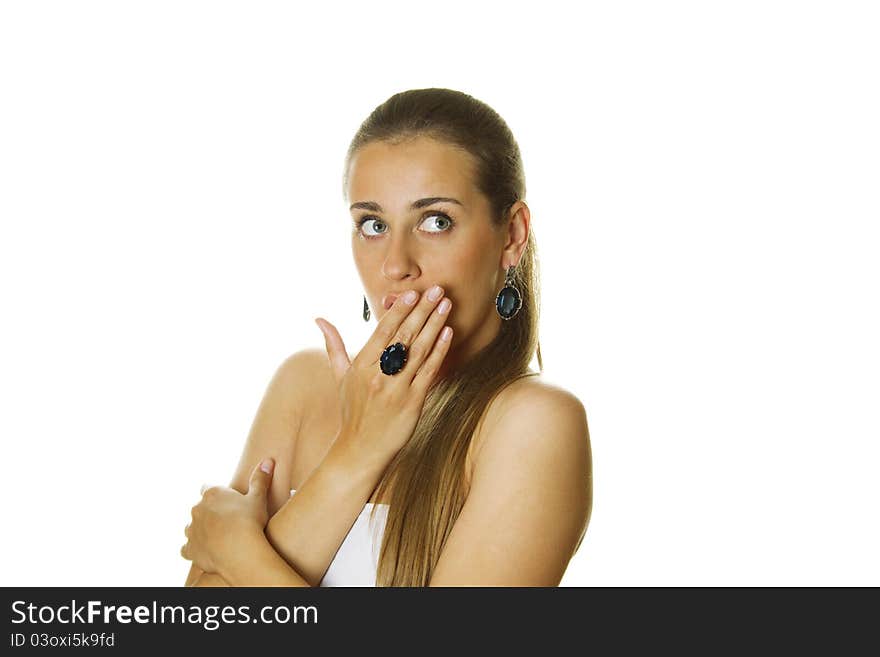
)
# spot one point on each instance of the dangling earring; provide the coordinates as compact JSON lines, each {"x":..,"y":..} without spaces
{"x":509,"y":300}
{"x":366,"y":310}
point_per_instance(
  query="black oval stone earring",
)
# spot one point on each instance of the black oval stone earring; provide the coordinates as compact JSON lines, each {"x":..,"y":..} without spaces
{"x":366,"y":310}
{"x":509,"y":300}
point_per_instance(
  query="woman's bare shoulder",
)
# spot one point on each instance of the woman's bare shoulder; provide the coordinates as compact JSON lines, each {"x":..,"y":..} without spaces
{"x":308,"y":369}
{"x":526,"y":392}
{"x":308,"y":361}
{"x":308,"y":379}
{"x":522,"y":390}
{"x":313,"y":361}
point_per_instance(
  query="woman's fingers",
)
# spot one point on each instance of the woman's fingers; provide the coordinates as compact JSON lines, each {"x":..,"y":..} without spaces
{"x":386,"y":329}
{"x":423,"y":378}
{"x":336,"y":352}
{"x":423,"y":343}
{"x":409,"y":329}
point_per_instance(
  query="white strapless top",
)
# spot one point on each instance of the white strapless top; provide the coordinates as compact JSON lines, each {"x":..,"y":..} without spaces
{"x":357,"y":559}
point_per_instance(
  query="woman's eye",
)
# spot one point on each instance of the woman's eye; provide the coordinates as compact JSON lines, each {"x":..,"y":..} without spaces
{"x":440,"y":220}
{"x":366,"y":221}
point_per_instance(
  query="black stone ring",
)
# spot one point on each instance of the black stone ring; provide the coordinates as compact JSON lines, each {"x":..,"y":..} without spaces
{"x":393,"y":358}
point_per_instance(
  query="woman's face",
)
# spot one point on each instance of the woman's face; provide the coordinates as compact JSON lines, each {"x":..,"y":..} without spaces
{"x":402,"y":242}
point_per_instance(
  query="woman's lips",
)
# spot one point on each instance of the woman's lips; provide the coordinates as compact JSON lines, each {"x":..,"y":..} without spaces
{"x":388,"y":301}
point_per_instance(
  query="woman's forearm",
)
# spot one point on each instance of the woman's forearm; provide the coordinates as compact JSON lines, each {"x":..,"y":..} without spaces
{"x":309,"y":528}
{"x":260,"y":565}
{"x":208,"y":579}
{"x":303,"y":536}
{"x":198,"y":577}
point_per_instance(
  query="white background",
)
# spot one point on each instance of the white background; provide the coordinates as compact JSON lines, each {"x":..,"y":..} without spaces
{"x":703,"y":183}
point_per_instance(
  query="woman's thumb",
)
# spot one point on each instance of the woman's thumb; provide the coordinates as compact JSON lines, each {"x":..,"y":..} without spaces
{"x":261,"y":477}
{"x":336,"y":352}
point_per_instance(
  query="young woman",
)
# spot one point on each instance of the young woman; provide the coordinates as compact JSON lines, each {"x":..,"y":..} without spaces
{"x":435,"y":457}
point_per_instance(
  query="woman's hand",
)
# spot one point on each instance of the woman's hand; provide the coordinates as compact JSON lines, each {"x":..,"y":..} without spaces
{"x":380,"y":411}
{"x":224,"y":521}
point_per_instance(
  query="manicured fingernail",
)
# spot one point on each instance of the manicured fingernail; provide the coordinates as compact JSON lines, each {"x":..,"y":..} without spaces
{"x":443,"y":308}
{"x":266,"y":466}
{"x":435,"y":292}
{"x":445,"y":334}
{"x":410,"y":297}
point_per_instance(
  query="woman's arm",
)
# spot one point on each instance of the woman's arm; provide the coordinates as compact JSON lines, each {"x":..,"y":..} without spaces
{"x":530,"y":499}
{"x":274,"y":432}
{"x":260,"y":565}
{"x":302,"y":538}
{"x":306,"y":529}
{"x":309,"y":528}
{"x":198,"y":577}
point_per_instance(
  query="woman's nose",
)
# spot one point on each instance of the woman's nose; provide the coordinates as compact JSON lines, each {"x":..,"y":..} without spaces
{"x":398,"y":261}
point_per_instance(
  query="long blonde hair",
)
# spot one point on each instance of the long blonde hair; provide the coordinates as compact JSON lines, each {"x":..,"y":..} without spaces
{"x":426,"y":477}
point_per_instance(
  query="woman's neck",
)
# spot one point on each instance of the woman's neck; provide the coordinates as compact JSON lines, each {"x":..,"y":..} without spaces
{"x":464,"y":348}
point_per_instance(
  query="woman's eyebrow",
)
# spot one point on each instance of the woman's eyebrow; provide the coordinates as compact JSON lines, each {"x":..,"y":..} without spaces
{"x":372,"y":206}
